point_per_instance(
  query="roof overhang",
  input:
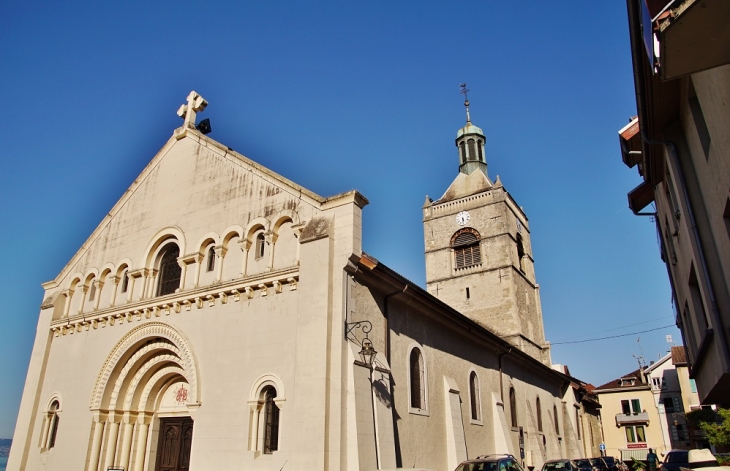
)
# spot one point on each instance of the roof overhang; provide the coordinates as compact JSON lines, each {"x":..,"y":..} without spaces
{"x":641,"y":196}
{"x":694,"y":37}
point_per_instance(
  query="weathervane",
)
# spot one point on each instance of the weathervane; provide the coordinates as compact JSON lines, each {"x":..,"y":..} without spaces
{"x":464,"y":92}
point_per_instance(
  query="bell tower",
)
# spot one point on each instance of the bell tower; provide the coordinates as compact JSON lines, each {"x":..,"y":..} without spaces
{"x":478,"y":251}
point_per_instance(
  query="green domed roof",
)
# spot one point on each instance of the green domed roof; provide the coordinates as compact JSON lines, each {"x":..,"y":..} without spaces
{"x":469,"y":129}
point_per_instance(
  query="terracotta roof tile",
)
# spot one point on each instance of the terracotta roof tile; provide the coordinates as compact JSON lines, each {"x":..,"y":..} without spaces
{"x":679,"y":356}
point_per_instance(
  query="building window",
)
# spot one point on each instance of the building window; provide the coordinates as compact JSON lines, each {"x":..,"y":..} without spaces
{"x":668,"y":405}
{"x":629,"y":407}
{"x":513,"y":407}
{"x":260,"y":245}
{"x":479,"y":149}
{"x":418,"y":380}
{"x":462,"y":151}
{"x":557,"y":424}
{"x":692,"y":385}
{"x":466,"y":248}
{"x":271,"y":421}
{"x":635,"y":434}
{"x":211,"y":259}
{"x":170,"y":270}
{"x":678,"y":433}
{"x":476,"y":409}
{"x":125,"y":281}
{"x":538,"y":411}
{"x":50,"y":426}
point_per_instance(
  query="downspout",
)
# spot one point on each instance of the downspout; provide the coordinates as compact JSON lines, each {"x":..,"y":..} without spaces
{"x":634,"y":25}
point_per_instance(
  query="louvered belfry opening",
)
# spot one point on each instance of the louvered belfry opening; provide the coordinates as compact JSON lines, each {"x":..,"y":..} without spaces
{"x":466,"y":248}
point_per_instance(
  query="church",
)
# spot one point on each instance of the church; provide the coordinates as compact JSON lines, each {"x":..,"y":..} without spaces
{"x":222,"y":317}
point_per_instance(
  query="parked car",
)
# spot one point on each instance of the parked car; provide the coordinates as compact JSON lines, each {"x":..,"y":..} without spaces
{"x":491,"y":463}
{"x":675,"y":459}
{"x":560,"y":465}
{"x":613,"y":464}
{"x":599,"y":464}
{"x":583,"y":464}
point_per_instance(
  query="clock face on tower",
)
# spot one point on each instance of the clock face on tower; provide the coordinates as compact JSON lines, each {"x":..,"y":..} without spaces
{"x":462,"y":218}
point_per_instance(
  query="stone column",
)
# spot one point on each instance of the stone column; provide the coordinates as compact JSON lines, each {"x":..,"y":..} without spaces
{"x":97,"y":297}
{"x":298,"y":234}
{"x":183,"y":271}
{"x":111,"y":446}
{"x":245,"y":245}
{"x":96,"y":443}
{"x":220,"y":252}
{"x":126,"y":441}
{"x":84,"y":290}
{"x":115,"y":280}
{"x":270,"y":238}
{"x":142,"y":429}
{"x":69,"y":293}
{"x":198,"y":261}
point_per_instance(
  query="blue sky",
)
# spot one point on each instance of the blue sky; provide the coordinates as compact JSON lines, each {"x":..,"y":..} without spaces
{"x":336,"y":96}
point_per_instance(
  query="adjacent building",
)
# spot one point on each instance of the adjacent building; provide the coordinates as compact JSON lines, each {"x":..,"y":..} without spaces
{"x":680,"y":144}
{"x":223,"y":317}
{"x":646,"y":409}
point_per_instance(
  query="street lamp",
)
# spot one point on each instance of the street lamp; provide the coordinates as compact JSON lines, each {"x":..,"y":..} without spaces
{"x":367,"y":351}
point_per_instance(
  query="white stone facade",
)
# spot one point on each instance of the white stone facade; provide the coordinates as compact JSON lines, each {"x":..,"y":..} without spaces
{"x":252,"y":359}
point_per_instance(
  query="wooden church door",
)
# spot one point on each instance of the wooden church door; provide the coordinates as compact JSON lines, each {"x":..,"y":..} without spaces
{"x":176,"y":438}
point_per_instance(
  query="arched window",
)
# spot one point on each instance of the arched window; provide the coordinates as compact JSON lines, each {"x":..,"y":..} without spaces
{"x":462,"y":151}
{"x":476,"y":409}
{"x":211,"y":259}
{"x":50,"y":426}
{"x":125,"y":281}
{"x":479,"y":149}
{"x":170,"y":270}
{"x":466,"y":248}
{"x":260,"y":245}
{"x":418,"y":380}
{"x":513,"y":407}
{"x":271,"y":421}
{"x":538,"y":410}
{"x":472,"y":149}
{"x":557,"y":424}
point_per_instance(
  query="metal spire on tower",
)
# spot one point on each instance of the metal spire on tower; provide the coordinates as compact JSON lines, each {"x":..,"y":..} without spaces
{"x":464,"y":91}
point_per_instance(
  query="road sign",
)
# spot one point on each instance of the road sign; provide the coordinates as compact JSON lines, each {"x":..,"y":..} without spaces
{"x":602,"y":447}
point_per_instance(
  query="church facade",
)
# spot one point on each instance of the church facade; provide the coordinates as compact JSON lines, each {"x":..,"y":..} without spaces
{"x":223,"y":317}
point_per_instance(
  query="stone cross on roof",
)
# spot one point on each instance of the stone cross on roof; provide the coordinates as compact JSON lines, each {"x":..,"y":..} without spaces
{"x":195,"y":104}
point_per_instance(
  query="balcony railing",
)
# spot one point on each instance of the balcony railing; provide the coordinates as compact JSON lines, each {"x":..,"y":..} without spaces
{"x":640,"y":418}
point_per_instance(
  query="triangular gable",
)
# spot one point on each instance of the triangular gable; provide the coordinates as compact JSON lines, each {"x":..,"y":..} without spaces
{"x":197,"y":144}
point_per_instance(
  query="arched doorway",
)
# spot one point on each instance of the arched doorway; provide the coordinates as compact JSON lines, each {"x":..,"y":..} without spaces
{"x":148,"y":384}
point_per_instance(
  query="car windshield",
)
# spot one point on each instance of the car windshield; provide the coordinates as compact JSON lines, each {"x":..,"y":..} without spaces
{"x":557,"y":465}
{"x":597,"y":462}
{"x":609,"y":460}
{"x":479,"y":466}
{"x":677,"y":457}
{"x":583,"y":463}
